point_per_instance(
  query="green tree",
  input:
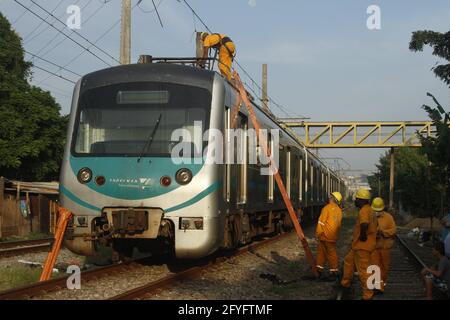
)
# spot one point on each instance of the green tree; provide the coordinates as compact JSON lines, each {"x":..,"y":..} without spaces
{"x":410,"y":174}
{"x":437,"y":150}
{"x":32,"y":131}
{"x":440,"y":42}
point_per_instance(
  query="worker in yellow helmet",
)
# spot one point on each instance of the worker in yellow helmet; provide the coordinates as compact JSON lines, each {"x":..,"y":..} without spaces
{"x":385,"y":240}
{"x":327,"y":233}
{"x":226,"y":49}
{"x":363,"y":244}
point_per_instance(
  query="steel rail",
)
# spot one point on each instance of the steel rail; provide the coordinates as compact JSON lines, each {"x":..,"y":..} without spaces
{"x":170,"y":280}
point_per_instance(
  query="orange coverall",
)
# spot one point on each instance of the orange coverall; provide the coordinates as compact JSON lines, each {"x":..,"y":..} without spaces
{"x":385,"y":240}
{"x":360,"y":254}
{"x":226,"y":51}
{"x":327,"y":233}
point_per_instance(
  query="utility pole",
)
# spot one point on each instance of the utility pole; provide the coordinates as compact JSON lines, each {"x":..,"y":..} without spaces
{"x":391,"y":180}
{"x":265,"y":96}
{"x":125,"y":33}
{"x":198,"y":45}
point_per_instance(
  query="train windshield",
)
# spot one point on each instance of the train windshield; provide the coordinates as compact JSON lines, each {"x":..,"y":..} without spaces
{"x":137,"y":119}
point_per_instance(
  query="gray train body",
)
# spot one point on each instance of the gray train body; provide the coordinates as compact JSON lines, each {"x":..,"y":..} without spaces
{"x":124,"y":189}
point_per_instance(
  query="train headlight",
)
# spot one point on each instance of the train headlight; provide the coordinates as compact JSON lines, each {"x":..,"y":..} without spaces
{"x":84,"y":175}
{"x":183,"y":176}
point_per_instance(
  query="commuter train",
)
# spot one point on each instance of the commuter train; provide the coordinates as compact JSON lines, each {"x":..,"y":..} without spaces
{"x":125,"y":190}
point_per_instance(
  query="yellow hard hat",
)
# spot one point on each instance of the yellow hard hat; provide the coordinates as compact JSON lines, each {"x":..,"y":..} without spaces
{"x":203,"y":35}
{"x":337,"y":196}
{"x":378,"y":204}
{"x":363,"y":194}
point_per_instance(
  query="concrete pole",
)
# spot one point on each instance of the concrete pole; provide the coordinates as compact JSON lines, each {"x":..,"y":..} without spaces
{"x":199,"y":45}
{"x":265,"y":96}
{"x":391,"y":180}
{"x":125,"y":33}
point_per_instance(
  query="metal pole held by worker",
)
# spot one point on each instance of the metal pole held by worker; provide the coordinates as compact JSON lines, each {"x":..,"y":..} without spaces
{"x":64,"y":216}
{"x":263,"y":143}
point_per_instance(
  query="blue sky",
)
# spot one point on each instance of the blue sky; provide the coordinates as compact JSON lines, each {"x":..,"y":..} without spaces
{"x":323,"y":61}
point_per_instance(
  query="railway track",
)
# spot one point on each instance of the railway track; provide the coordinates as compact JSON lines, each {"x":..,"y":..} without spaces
{"x":56,"y":284}
{"x":165,"y":282}
{"x":14,"y":248}
{"x":184,"y":270}
{"x":404,"y":282}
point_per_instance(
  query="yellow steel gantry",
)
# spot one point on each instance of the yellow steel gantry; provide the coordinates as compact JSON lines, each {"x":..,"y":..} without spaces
{"x":361,"y":134}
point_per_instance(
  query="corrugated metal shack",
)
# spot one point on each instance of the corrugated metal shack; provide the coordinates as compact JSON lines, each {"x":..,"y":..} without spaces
{"x":27,"y":207}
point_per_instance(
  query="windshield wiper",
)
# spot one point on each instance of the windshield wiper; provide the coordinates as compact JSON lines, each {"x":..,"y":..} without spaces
{"x":150,"y":139}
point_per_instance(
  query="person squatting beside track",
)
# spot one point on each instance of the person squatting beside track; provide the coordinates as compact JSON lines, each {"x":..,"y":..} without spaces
{"x":327,"y":233}
{"x":387,"y":229}
{"x":363,"y":244}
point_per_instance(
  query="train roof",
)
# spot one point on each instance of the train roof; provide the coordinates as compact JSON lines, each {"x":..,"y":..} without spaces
{"x":165,"y":72}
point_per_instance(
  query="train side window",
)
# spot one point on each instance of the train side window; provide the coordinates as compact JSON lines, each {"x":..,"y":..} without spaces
{"x":243,"y":159}
{"x":288,"y":172}
{"x":312,"y":184}
{"x":270,"y":180}
{"x":227,"y":168}
{"x":300,"y":174}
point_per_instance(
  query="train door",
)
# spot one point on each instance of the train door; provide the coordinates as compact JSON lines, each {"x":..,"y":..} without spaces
{"x":305,"y":180}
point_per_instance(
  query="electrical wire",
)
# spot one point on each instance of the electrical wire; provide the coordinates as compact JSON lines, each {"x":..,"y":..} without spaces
{"x":64,"y":39}
{"x":26,"y":37}
{"x":53,"y":74}
{"x":271,"y":100}
{"x":96,"y":41}
{"x":52,"y":63}
{"x":76,"y":32}
{"x":73,"y":40}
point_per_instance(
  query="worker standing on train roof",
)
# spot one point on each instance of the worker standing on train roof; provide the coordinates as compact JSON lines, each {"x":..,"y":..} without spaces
{"x":385,"y":240}
{"x":363,"y":243}
{"x":327,"y":233}
{"x":226,"y":48}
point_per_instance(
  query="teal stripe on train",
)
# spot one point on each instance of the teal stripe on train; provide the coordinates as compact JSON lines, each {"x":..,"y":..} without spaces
{"x":128,"y":179}
{"x":215,"y":186}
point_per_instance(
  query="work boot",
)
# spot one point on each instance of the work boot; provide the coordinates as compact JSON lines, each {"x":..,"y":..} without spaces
{"x":343,"y":293}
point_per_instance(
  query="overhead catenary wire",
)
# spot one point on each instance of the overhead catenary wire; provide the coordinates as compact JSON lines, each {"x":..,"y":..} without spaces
{"x":35,"y":56}
{"x":77,"y":33}
{"x":95,"y":42}
{"x":26,"y":37}
{"x":19,"y":17}
{"x":271,"y":100}
{"x":64,"y":39}
{"x":52,"y":63}
{"x":54,"y":74}
{"x":73,"y":40}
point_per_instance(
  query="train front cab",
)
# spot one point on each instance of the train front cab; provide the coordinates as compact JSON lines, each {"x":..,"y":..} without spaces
{"x":118,"y":177}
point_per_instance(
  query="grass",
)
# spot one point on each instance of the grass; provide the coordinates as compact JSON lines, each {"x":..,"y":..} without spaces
{"x":29,"y":236}
{"x":18,"y":276}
